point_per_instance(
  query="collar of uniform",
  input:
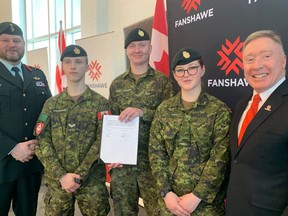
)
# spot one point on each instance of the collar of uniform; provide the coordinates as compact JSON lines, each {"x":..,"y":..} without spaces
{"x":128,"y":73}
{"x":9,"y":66}
{"x":86,"y":94}
{"x":201,"y":101}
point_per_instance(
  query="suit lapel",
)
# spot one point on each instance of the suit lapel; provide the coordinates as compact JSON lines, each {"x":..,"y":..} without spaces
{"x":234,"y":125}
{"x":270,"y":106}
{"x":27,"y":77}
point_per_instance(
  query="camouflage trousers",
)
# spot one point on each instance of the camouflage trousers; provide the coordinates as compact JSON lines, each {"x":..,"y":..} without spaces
{"x":92,"y":201}
{"x":127,"y":185}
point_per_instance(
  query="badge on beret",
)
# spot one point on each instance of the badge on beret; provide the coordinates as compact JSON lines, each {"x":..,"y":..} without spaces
{"x":186,"y":54}
{"x":77,"y":51}
{"x":141,"y":33}
{"x":12,"y":27}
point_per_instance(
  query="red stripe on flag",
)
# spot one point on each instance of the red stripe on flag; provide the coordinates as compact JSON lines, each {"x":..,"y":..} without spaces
{"x":159,"y":58}
{"x":59,"y":71}
{"x":160,"y":21}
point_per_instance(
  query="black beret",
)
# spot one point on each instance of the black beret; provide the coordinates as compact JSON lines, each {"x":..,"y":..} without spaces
{"x":73,"y":51}
{"x":136,"y":34}
{"x":10,"y":28}
{"x":185,"y":56}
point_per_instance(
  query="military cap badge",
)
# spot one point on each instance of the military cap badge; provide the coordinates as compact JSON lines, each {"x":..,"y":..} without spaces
{"x":141,"y":33}
{"x":12,"y":27}
{"x":186,"y":54}
{"x":73,"y":51}
{"x":77,"y":51}
{"x":136,"y":34}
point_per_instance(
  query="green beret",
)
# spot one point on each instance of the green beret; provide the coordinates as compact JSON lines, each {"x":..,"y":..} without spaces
{"x":73,"y":51}
{"x":185,"y":56}
{"x":136,"y":34}
{"x":10,"y":28}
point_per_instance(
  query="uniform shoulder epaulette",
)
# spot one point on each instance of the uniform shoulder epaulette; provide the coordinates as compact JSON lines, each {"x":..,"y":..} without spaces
{"x":30,"y":68}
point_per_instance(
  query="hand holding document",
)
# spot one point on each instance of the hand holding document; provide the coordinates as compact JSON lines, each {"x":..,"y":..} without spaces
{"x":119,"y":141}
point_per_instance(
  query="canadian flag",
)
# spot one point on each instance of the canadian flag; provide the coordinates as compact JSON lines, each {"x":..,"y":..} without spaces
{"x":60,"y":76}
{"x":159,"y":58}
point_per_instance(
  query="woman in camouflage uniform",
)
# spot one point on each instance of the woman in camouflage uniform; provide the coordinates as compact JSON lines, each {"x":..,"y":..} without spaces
{"x":188,"y":148}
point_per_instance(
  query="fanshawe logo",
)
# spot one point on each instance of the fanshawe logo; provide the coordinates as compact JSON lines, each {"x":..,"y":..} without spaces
{"x":188,"y":5}
{"x":193,"y":6}
{"x":231,"y":56}
{"x":37,"y":66}
{"x":95,"y":74}
{"x":230,"y":62}
{"x":95,"y":70}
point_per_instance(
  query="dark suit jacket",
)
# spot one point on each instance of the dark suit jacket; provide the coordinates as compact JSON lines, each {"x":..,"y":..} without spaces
{"x":19,"y":110}
{"x":258,"y":182}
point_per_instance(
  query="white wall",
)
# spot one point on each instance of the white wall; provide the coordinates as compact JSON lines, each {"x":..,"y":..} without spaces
{"x":101,"y":16}
{"x":5,"y":10}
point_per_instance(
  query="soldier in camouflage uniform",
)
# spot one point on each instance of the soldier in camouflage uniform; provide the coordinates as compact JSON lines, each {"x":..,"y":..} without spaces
{"x":137,"y":92}
{"x":68,"y":131}
{"x":188,"y":148}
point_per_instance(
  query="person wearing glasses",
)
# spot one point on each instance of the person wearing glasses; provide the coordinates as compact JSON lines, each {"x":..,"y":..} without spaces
{"x":188,"y":147}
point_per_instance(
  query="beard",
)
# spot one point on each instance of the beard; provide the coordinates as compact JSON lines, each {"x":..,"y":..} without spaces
{"x":15,"y":58}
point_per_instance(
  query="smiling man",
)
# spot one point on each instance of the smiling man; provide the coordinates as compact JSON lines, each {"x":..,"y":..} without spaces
{"x":137,"y":93}
{"x":259,"y":166}
{"x":23,"y":91}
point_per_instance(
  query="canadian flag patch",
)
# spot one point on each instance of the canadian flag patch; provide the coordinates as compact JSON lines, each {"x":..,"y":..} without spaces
{"x":100,"y":114}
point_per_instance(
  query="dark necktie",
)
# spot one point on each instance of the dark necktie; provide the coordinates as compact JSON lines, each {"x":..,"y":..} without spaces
{"x":249,"y":116}
{"x":18,"y":78}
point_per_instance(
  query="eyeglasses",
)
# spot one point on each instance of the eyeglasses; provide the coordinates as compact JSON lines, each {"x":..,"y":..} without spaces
{"x":191,"y":71}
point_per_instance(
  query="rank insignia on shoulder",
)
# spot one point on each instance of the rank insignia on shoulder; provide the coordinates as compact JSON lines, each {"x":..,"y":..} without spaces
{"x":40,"y":84}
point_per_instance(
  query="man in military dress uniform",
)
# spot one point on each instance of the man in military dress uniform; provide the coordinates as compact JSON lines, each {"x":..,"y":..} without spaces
{"x":137,"y":93}
{"x":69,"y":130}
{"x":23,"y":91}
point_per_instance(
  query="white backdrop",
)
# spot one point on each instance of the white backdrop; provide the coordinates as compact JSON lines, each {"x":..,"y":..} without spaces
{"x":101,"y":58}
{"x":39,"y":58}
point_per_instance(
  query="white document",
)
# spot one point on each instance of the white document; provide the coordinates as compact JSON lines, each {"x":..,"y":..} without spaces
{"x":119,"y":141}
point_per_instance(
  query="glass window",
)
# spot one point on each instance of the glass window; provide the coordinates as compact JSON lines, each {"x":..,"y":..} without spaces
{"x":43,"y":24}
{"x":56,"y":15}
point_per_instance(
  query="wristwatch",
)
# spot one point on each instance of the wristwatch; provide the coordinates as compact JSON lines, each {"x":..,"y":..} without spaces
{"x":164,"y":192}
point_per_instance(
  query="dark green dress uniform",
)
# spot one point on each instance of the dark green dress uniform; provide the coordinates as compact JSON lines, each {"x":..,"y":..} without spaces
{"x":130,"y":182}
{"x":20,"y":106}
{"x":188,"y":151}
{"x":69,"y":135}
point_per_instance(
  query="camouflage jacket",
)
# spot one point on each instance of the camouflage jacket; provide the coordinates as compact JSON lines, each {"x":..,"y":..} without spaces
{"x":188,"y":149}
{"x":146,"y":94}
{"x":69,"y":134}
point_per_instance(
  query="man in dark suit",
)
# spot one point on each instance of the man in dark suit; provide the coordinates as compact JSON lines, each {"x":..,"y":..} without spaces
{"x":258,"y":183}
{"x":23,"y":91}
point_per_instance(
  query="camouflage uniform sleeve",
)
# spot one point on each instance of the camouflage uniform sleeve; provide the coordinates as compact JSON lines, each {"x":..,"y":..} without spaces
{"x":45,"y":150}
{"x":167,"y":92}
{"x":113,"y":100}
{"x":213,"y":174}
{"x":93,"y":154}
{"x":158,"y":155}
